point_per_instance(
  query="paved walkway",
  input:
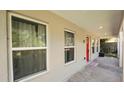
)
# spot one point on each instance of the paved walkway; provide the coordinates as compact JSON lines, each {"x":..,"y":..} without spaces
{"x":103,"y":69}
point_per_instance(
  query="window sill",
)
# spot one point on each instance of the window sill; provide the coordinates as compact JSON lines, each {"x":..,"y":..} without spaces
{"x":70,"y":62}
{"x":32,"y":76}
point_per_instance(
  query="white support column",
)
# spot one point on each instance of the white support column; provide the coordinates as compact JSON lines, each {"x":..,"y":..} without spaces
{"x":118,"y":46}
{"x":121,"y":49}
{"x":123,"y":55}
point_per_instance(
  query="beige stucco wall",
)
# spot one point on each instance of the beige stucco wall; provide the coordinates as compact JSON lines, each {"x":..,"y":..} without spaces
{"x":3,"y":47}
{"x":58,"y":71}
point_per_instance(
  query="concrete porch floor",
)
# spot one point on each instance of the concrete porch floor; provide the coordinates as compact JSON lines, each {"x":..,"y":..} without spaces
{"x":102,"y":69}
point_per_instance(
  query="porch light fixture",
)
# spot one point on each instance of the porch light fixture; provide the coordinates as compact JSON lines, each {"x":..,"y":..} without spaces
{"x":100,"y":27}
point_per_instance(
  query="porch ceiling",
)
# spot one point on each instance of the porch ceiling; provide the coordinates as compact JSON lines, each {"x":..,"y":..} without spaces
{"x":102,"y":22}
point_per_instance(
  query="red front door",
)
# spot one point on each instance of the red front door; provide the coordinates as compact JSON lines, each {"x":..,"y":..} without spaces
{"x":87,"y":49}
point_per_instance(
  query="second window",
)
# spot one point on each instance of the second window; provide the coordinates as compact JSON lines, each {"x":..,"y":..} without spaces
{"x":69,"y":46}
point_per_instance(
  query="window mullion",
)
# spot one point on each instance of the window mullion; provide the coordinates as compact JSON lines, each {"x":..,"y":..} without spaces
{"x":69,"y":47}
{"x":28,"y":48}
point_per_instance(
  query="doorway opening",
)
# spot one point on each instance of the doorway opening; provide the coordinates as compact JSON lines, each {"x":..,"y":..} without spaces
{"x":109,"y":47}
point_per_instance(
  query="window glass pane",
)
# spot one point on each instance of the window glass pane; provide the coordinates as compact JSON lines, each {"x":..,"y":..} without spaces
{"x":69,"y":54}
{"x":41,"y":35}
{"x":28,"y":62}
{"x":28,"y":34}
{"x":69,"y":39}
{"x":97,"y":46}
{"x":93,"y":50}
{"x":93,"y":45}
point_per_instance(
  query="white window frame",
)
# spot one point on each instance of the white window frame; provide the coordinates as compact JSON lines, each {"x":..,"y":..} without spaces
{"x":11,"y":49}
{"x":73,"y":61}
